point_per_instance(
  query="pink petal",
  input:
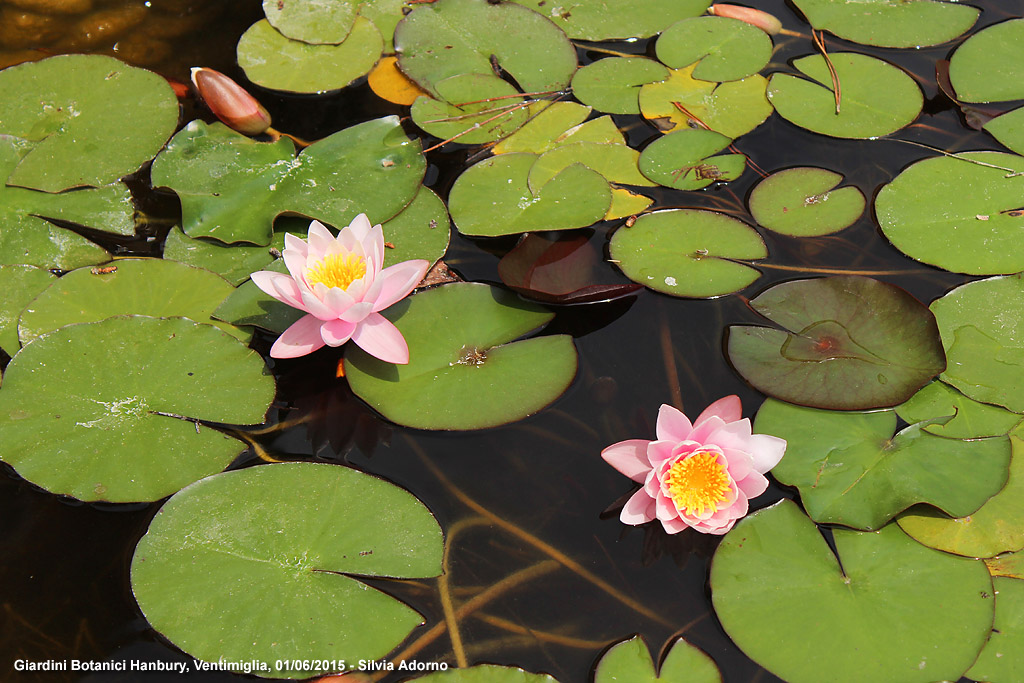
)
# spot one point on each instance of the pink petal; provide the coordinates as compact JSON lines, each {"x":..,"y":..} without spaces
{"x":360,"y":227}
{"x":338,"y":300}
{"x":753,"y":485}
{"x":320,"y":241}
{"x":301,"y":338}
{"x":295,"y":261}
{"x":336,"y":332}
{"x":394,"y":283}
{"x":315,"y":306}
{"x":279,"y":286}
{"x":706,"y":428}
{"x":357,"y":312}
{"x":665,"y":508}
{"x":296,"y":244}
{"x":674,"y":526}
{"x":706,"y":528}
{"x":673,"y":425}
{"x":740,"y":463}
{"x":629,"y":457}
{"x":660,"y":451}
{"x":728,"y":408}
{"x":373,"y":247}
{"x":732,"y":435}
{"x":767,"y":451}
{"x":378,"y":337}
{"x":639,"y":509}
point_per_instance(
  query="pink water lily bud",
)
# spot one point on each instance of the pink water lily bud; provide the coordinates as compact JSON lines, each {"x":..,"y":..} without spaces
{"x":755,"y":17}
{"x":230,"y":102}
{"x":341,"y":285}
{"x":696,"y":475}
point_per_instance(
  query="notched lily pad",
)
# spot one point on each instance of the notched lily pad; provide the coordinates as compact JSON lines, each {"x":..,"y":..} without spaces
{"x":846,"y":343}
{"x":804,"y":202}
{"x":313,"y":21}
{"x":464,"y":112}
{"x":630,"y":660}
{"x":725,"y":49}
{"x":20,"y":285}
{"x":685,"y":160}
{"x":465,"y":370}
{"x":906,"y":23}
{"x":616,"y":163}
{"x":548,"y":121}
{"x":965,"y":418}
{"x":613,"y":84}
{"x":989,"y":66}
{"x":233,"y":262}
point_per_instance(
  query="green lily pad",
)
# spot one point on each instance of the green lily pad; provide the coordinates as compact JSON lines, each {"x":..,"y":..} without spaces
{"x":295,"y":535}
{"x":250,"y":305}
{"x":967,"y":419}
{"x":451,"y":37}
{"x":906,"y":23}
{"x":313,"y":21}
{"x":276,"y":62}
{"x":851,"y":470}
{"x":989,"y":66}
{"x":685,"y":160}
{"x":420,"y":231}
{"x":688,"y":252}
{"x":630,"y":660}
{"x":847,"y":343}
{"x":1010,"y":565}
{"x":876,"y":98}
{"x":153,"y":287}
{"x":983,"y":334}
{"x":465,"y":371}
{"x":803,"y":202}
{"x":958,"y":215}
{"x":995,"y":527}
{"x":605,"y":20}
{"x":1008,"y":129}
{"x":20,"y":285}
{"x":486,"y":673}
{"x":231,"y":187}
{"x":462,"y":100}
{"x":548,"y":120}
{"x":92,"y":410}
{"x":613,"y":84}
{"x":234,"y":262}
{"x":732,"y":108}
{"x":493,"y":198}
{"x":617,"y":163}
{"x":1000,"y":660}
{"x":37,"y":243}
{"x":725,"y":49}
{"x":64,"y":107}
{"x":886,"y":610}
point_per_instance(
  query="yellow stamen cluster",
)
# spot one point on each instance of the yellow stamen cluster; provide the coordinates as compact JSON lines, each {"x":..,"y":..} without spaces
{"x":697,"y":483}
{"x":336,"y":270}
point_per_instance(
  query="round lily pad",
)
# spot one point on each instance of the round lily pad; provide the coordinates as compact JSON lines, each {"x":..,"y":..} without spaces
{"x":989,"y":66}
{"x":613,"y":84}
{"x":876,"y":98}
{"x":494,"y":197}
{"x":420,"y":231}
{"x":153,"y":287}
{"x":983,"y":334}
{"x":293,"y":535}
{"x":688,"y":252}
{"x":233,"y":262}
{"x":313,"y":21}
{"x":883,"y":608}
{"x":465,"y":370}
{"x":907,"y":23}
{"x":851,"y":470}
{"x":1001,"y":659}
{"x":274,"y":61}
{"x":803,"y":202}
{"x":953,"y":415}
{"x":846,"y":343}
{"x":64,"y":107}
{"x":726,"y":49}
{"x":958,"y":215}
{"x":465,"y":113}
{"x":20,"y":285}
{"x":103,"y":411}
{"x":1008,"y":129}
{"x":630,"y":660}
{"x":685,"y":160}
{"x":612,"y":20}
{"x":682,"y":101}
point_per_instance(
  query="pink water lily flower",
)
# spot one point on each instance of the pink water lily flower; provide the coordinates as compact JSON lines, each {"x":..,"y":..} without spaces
{"x":339,"y":283}
{"x":697,"y":475}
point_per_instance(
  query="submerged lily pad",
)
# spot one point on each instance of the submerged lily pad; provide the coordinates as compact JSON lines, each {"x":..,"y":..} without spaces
{"x":688,"y":252}
{"x":92,"y":410}
{"x":613,"y":84}
{"x":630,"y":660}
{"x":725,"y":49}
{"x":465,"y":370}
{"x":876,"y":98}
{"x":274,"y":61}
{"x":967,"y":419}
{"x":231,"y":187}
{"x":1001,"y":658}
{"x":465,"y":114}
{"x":989,"y":66}
{"x":20,"y":285}
{"x":803,"y":202}
{"x":494,"y":197}
{"x":958,"y":215}
{"x":64,"y":107}
{"x":906,"y":23}
{"x":295,"y":535}
{"x":983,"y":334}
{"x":847,"y":343}
{"x":807,"y":615}
{"x":604,"y":20}
{"x":684,"y":160}
{"x":732,"y":108}
{"x":851,"y":470}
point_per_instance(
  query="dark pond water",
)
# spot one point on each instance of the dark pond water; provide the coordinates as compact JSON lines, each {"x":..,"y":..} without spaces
{"x":64,"y":568}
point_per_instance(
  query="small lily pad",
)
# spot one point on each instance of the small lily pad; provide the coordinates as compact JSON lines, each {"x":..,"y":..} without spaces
{"x":907,"y":23}
{"x":725,"y":49}
{"x":851,"y":470}
{"x":1001,"y":660}
{"x":630,"y":660}
{"x":465,"y":370}
{"x":1008,"y":129}
{"x":613,"y":84}
{"x":92,"y":410}
{"x":876,"y":98}
{"x":296,"y":535}
{"x":617,"y":163}
{"x":808,"y":615}
{"x":685,"y":160}
{"x":20,"y":285}
{"x":547,"y":121}
{"x":233,"y":262}
{"x":605,"y":20}
{"x":688,"y":252}
{"x":803,"y":202}
{"x":731,"y":109}
{"x":989,"y":66}
{"x":493,"y":197}
{"x":313,"y":21}
{"x":626,"y":203}
{"x":276,"y":62}
{"x":967,"y":419}
{"x":389,"y":83}
{"x":464,"y":112}
{"x":846,"y":343}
